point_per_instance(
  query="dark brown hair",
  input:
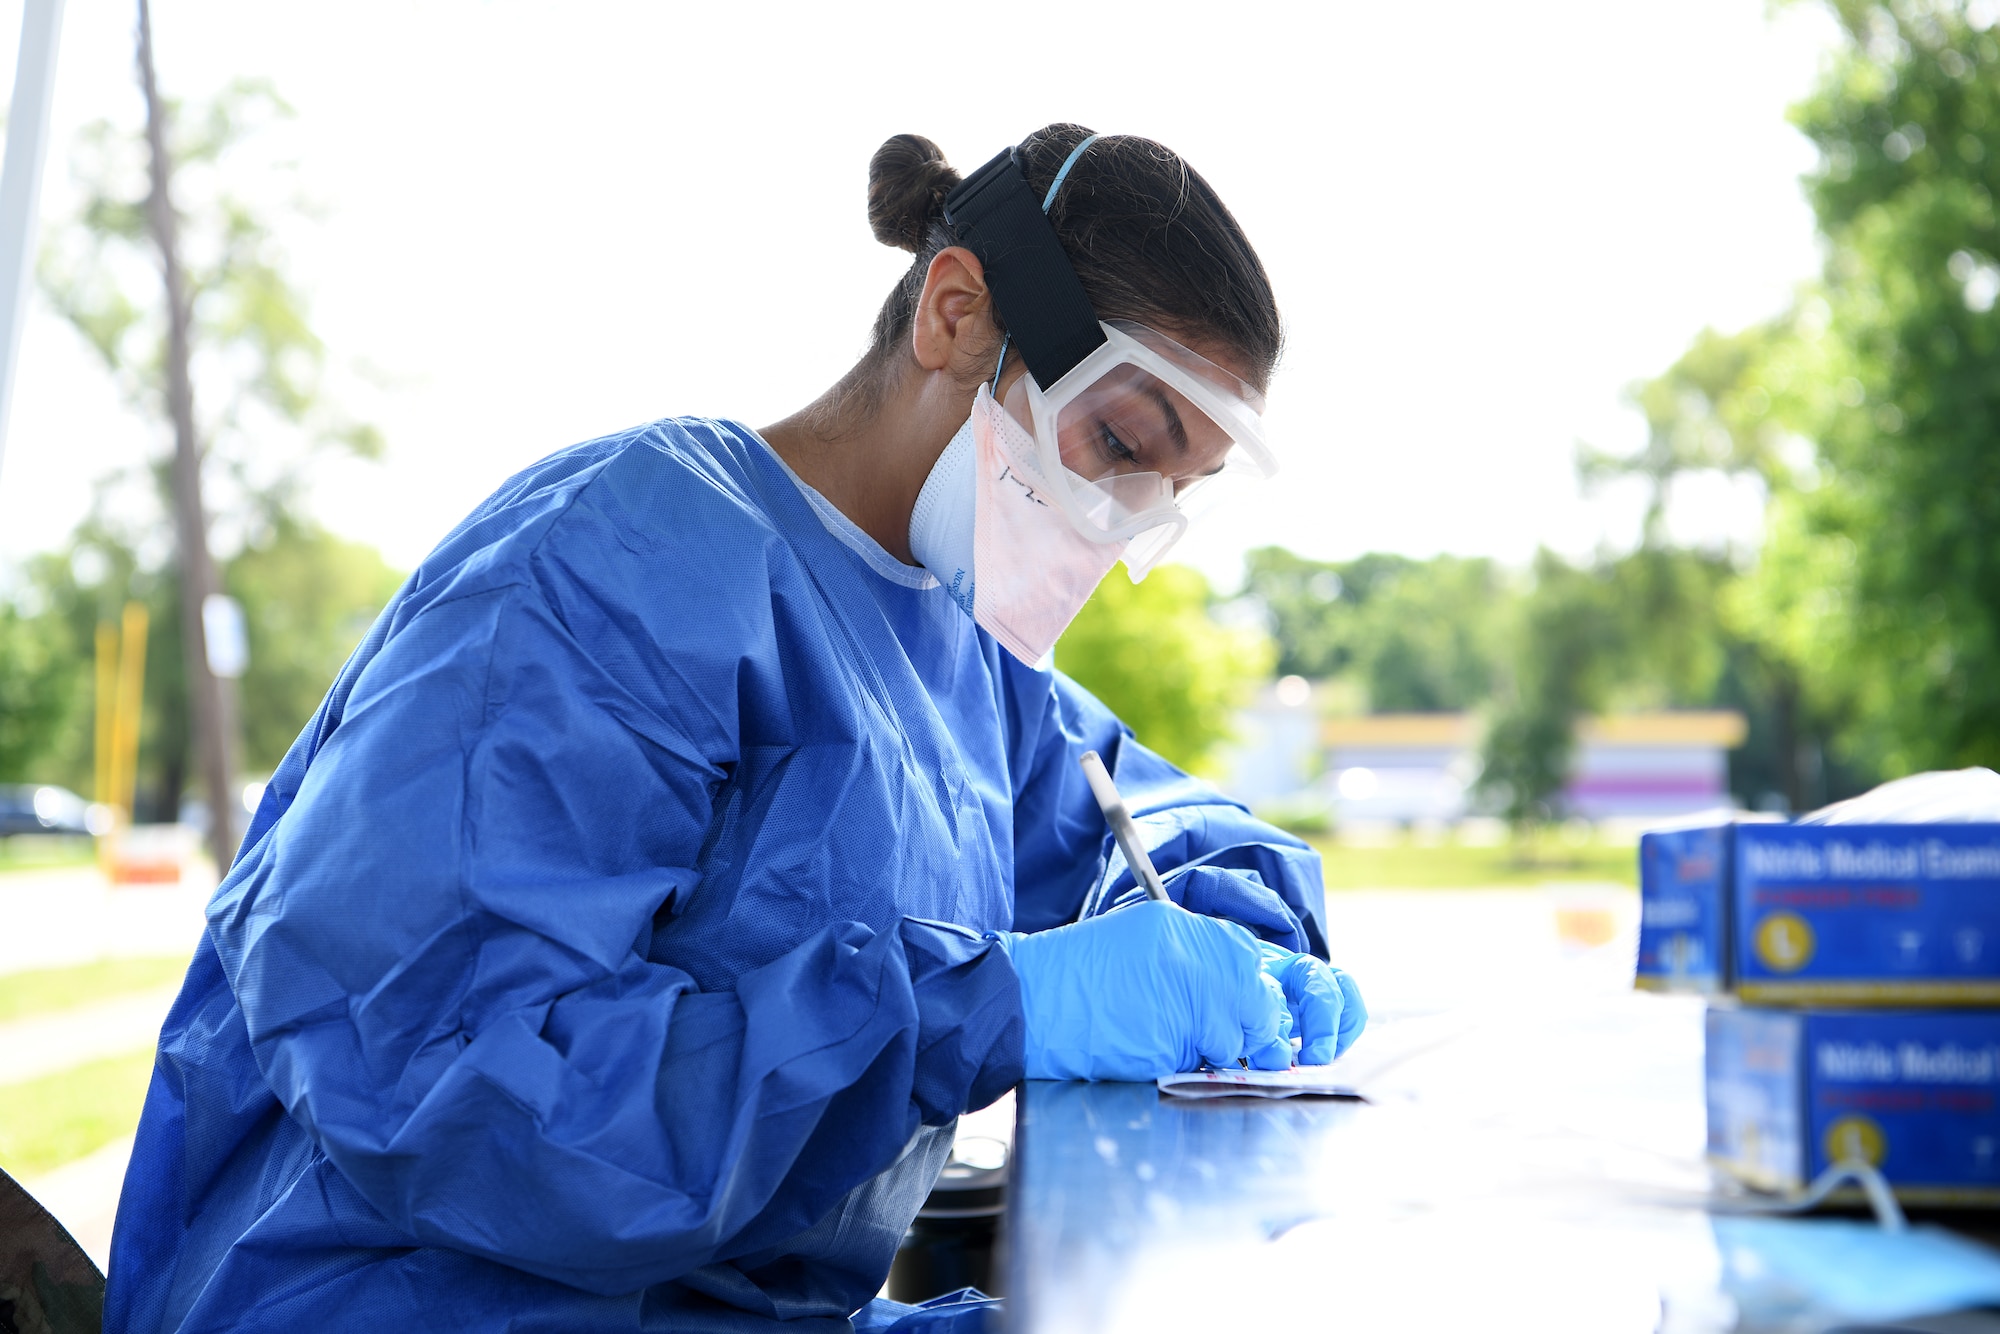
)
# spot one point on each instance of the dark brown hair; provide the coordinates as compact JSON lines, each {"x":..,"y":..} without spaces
{"x":1149,"y":239}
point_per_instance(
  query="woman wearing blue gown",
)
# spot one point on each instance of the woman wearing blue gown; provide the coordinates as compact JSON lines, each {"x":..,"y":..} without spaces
{"x":700,"y":831}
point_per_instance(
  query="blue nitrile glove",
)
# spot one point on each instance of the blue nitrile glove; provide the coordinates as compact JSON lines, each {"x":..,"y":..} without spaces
{"x":1147,"y":991}
{"x":1327,"y":1011}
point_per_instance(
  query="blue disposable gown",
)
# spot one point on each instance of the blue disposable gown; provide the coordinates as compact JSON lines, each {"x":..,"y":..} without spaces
{"x":606,"y":953}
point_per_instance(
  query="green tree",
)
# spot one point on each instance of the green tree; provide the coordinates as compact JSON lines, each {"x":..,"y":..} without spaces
{"x":308,"y":597}
{"x":1428,"y":636}
{"x":1884,"y":577}
{"x":1641,"y":631}
{"x":1155,"y":656}
{"x":87,"y":582}
{"x":40,"y":692}
{"x":1744,"y":405}
{"x":1565,"y":642}
{"x":1301,"y":600}
{"x":1730,"y":405}
{"x":1416,"y":635}
{"x":260,"y":376}
{"x":260,"y":370}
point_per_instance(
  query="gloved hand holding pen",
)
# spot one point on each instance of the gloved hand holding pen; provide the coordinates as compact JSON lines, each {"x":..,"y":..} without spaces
{"x":1316,"y":1002}
{"x":1325,"y":1005}
{"x":1147,"y":991}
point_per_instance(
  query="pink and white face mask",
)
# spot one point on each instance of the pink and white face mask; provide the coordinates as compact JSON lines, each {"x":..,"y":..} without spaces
{"x":1034,"y":570}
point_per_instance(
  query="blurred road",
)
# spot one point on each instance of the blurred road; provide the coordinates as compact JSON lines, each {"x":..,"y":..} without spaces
{"x":72,"y":915}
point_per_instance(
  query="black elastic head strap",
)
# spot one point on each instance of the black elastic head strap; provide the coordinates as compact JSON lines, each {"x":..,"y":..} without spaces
{"x":1035,"y":287}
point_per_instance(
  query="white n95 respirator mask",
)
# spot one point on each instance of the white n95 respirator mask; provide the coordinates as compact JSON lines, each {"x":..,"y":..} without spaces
{"x":985,"y":526}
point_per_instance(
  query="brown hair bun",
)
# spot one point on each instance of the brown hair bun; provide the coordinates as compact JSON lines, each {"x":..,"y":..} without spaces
{"x":908,"y":180}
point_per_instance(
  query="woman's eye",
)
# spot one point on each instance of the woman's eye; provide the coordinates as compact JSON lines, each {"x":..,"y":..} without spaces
{"x":1115,"y":447}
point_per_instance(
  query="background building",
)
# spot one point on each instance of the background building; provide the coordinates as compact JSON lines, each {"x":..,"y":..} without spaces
{"x":1415,"y":768}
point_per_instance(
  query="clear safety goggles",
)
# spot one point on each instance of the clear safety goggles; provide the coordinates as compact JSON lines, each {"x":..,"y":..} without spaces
{"x":1140,"y":438}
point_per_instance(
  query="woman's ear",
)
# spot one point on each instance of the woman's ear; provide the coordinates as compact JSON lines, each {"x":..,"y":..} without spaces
{"x":953,"y":325}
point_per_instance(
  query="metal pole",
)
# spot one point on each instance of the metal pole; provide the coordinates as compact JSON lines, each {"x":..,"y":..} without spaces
{"x":209,"y":695}
{"x":21,"y":180}
{"x":129,"y":707}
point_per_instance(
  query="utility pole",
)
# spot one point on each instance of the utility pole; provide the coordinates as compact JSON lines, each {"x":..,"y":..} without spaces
{"x":211,"y":698}
{"x":21,"y":179}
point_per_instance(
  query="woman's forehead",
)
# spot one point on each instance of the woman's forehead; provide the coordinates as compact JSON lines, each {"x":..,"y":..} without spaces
{"x":1224,"y":355}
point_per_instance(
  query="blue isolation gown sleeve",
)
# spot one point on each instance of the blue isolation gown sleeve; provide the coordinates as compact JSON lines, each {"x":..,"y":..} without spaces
{"x":1065,"y":858}
{"x":441,"y":954}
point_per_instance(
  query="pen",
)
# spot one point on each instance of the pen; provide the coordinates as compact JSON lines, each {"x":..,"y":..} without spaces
{"x":1127,"y":835}
{"x":1122,"y":827}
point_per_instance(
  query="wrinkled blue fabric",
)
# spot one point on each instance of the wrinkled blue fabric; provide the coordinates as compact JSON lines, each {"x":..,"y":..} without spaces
{"x":1189,"y":839}
{"x":967,"y":1311}
{"x":608,"y":953}
{"x":1147,"y":991}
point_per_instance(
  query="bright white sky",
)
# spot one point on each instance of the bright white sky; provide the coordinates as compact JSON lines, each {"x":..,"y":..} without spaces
{"x":550,"y":221}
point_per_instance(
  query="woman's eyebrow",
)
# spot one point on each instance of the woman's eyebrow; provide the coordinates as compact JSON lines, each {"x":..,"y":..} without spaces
{"x":1174,"y":426}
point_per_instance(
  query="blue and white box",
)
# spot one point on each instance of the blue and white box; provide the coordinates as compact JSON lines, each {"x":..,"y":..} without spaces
{"x":1911,"y":1092}
{"x":1896,"y":914}
{"x":1683,"y":910}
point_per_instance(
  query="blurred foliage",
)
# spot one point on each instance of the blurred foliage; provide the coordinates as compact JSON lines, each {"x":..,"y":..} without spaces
{"x":260,"y":377}
{"x":1863,"y":639}
{"x":259,"y":369}
{"x":1640,"y":631}
{"x":1881,"y":579}
{"x":1418,"y":635}
{"x":1647,"y":630}
{"x":40,"y":690}
{"x":1565,"y":639}
{"x":1865,"y":635}
{"x":87,"y":582}
{"x":1157,"y":659}
{"x":1721,"y":408}
{"x":308,"y":597}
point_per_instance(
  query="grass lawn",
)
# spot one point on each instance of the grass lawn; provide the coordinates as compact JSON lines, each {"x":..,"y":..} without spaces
{"x":1407,"y":864}
{"x":50,"y":1121}
{"x":35,"y":852}
{"x":43,"y":989}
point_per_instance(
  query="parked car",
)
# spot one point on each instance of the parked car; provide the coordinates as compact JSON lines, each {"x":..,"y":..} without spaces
{"x":28,"y":808}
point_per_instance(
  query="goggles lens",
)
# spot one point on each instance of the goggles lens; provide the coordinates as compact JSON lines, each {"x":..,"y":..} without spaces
{"x":1130,"y":421}
{"x":1142,"y":428}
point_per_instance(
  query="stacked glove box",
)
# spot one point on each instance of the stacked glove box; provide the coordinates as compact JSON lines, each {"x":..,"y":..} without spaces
{"x":1854,"y":976}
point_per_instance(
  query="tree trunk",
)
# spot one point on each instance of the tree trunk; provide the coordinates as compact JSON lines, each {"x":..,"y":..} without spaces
{"x":209,"y":697}
{"x":1786,"y":742}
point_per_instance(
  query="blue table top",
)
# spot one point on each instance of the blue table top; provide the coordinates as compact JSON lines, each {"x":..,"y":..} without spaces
{"x":1109,"y":1174}
{"x":1530,"y":1158}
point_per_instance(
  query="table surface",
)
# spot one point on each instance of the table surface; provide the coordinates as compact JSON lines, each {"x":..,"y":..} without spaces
{"x":1530,"y":1157}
